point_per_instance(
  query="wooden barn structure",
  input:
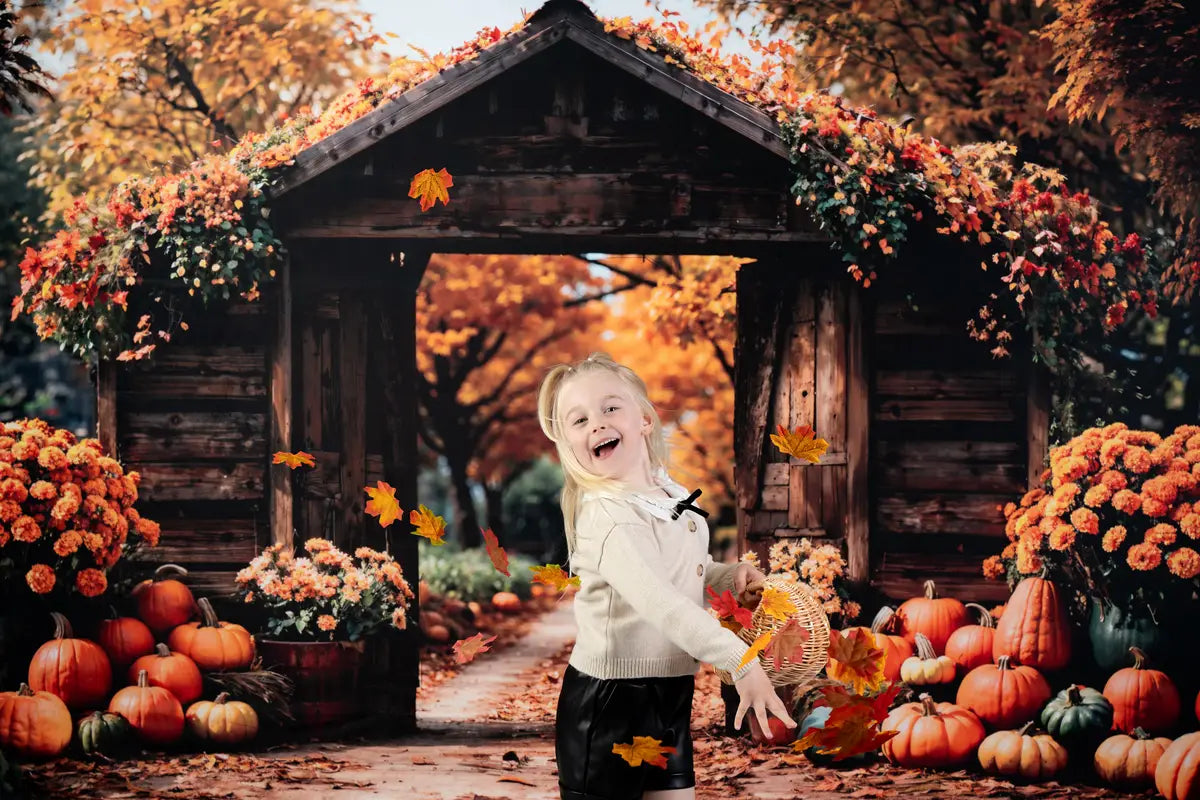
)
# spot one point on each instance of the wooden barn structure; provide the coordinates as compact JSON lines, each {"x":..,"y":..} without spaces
{"x":563,"y":138}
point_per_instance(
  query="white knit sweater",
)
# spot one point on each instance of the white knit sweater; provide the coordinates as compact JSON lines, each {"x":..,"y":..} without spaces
{"x":640,"y":607}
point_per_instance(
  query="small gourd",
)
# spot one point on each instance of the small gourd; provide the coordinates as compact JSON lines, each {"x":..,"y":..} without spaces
{"x":104,"y":733}
{"x":926,"y":668}
{"x":1079,"y":717}
{"x":222,"y":721}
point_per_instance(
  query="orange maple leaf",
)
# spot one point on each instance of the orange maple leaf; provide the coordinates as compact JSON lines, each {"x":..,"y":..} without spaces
{"x":293,"y":460}
{"x":429,"y":525}
{"x":787,"y":646}
{"x":553,"y":575}
{"x":855,"y":660}
{"x":644,"y":748}
{"x":762,"y":641}
{"x":383,"y":503}
{"x":430,"y":187}
{"x":496,"y":552}
{"x":466,"y":649}
{"x":800,"y":443}
{"x":851,"y":729}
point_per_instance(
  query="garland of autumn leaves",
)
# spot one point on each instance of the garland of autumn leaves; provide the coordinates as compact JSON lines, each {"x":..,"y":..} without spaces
{"x":1062,"y":270}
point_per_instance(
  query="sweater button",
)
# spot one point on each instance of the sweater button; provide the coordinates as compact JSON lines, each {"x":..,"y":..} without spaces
{"x":700,"y":570}
{"x":692,"y":525}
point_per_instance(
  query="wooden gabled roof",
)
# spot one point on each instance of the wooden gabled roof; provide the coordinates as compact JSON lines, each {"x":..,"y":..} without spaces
{"x":555,"y":22}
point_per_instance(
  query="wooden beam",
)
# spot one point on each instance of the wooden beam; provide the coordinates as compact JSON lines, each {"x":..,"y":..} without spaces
{"x":759,"y":323}
{"x":352,"y":380}
{"x":1037,"y":421}
{"x":280,"y":369}
{"x":858,"y":439}
{"x":106,"y":405}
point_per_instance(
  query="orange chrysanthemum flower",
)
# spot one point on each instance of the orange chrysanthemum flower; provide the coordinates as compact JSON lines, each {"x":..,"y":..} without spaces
{"x":91,"y":582}
{"x":1126,"y":501}
{"x":1190,"y":525}
{"x":25,"y":529}
{"x":1085,"y":520}
{"x":1113,"y":538}
{"x":1063,"y":537}
{"x":1137,"y":460}
{"x":1184,"y":563}
{"x":67,"y":543}
{"x":1114,"y":480}
{"x":1154,"y":508}
{"x":1161,"y":534}
{"x":1110,"y":451}
{"x":326,"y":623}
{"x":993,"y":568}
{"x":1097,"y":496}
{"x":1143,"y":557}
{"x":41,"y":578}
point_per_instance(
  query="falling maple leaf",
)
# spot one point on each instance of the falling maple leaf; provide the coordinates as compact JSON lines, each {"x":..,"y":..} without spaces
{"x":777,"y":604}
{"x":429,"y":525}
{"x":293,"y":460}
{"x":728,"y":609}
{"x":787,"y":646}
{"x":430,"y":187}
{"x":383,"y":503}
{"x":644,"y":748}
{"x":465,"y":650}
{"x":553,"y":575}
{"x":496,"y":552}
{"x":800,"y":443}
{"x":855,"y":660}
{"x":762,"y":641}
{"x":850,"y":729}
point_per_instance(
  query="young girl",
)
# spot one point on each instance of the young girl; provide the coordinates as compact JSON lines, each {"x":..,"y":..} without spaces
{"x":641,"y":552}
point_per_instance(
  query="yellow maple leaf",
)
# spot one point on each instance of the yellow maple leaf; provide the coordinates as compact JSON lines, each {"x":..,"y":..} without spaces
{"x":644,"y":748}
{"x":466,"y":649}
{"x":496,"y":552}
{"x":430,"y":187}
{"x":383,"y":503}
{"x":855,"y":660}
{"x":553,"y":575}
{"x":800,"y":443}
{"x":762,"y":641}
{"x":429,"y":525}
{"x":293,"y":460}
{"x":777,"y":604}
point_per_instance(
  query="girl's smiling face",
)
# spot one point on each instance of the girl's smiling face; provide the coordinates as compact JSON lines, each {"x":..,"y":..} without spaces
{"x":605,"y":427}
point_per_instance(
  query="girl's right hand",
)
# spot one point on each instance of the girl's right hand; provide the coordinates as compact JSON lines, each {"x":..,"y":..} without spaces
{"x":757,"y":694}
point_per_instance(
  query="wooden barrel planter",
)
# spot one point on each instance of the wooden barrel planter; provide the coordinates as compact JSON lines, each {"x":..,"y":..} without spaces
{"x":326,"y":675}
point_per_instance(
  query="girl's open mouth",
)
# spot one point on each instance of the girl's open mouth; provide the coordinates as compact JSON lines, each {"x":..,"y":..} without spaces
{"x":605,"y":449}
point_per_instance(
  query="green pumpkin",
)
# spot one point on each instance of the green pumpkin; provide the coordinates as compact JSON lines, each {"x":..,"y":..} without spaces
{"x":104,"y":733}
{"x":1113,"y":631}
{"x":1079,"y":717}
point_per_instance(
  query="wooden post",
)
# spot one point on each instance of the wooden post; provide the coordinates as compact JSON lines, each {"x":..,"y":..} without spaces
{"x":1037,"y":421}
{"x":106,"y":405}
{"x":352,"y":366}
{"x":280,"y":365}
{"x":858,"y":420}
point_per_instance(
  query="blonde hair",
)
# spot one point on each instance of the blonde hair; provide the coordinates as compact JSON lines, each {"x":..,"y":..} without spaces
{"x":576,"y":478}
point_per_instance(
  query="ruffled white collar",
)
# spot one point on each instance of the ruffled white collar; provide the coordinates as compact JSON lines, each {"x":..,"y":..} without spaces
{"x":649,"y":501}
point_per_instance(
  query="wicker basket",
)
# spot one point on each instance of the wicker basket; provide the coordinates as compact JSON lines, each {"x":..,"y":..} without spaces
{"x":812,"y":617}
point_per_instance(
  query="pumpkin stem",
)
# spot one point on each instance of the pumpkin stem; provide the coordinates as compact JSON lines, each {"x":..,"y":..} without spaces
{"x":928,"y":707}
{"x":924,"y":647}
{"x":210,"y":616}
{"x":1139,"y":657}
{"x":883,"y":619}
{"x":143,"y":681}
{"x":162,"y":650}
{"x":178,"y":570}
{"x":62,"y":627}
{"x":1140,"y":733}
{"x":930,"y":590}
{"x":985,"y":616}
{"x":221,"y":698}
{"x":1074,"y":698}
{"x":1025,"y":728}
{"x":1004,"y":662}
{"x":25,"y":691}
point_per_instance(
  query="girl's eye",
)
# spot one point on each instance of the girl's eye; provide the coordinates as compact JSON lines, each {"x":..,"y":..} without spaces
{"x":579,"y":421}
{"x":611,"y":408}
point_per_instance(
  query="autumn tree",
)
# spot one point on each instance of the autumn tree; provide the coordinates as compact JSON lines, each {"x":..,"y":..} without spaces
{"x":155,"y":84}
{"x":21,"y":77}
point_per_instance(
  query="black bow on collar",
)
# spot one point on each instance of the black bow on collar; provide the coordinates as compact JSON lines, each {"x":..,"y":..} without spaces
{"x":686,"y":505}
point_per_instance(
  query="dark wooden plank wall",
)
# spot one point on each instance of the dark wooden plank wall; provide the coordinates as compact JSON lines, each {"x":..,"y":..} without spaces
{"x":194,"y":423}
{"x":948,"y":449}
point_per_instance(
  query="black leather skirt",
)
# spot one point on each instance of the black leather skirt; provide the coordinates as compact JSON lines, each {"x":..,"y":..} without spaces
{"x":594,"y":714}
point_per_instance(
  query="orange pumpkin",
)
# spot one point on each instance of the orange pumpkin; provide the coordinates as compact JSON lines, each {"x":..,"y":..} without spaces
{"x":936,"y":617}
{"x":213,"y":644}
{"x":895,"y":648}
{"x":971,"y":645}
{"x":223,"y":721}
{"x":1175,"y":776}
{"x":506,"y":601}
{"x":1022,"y":754}
{"x":77,"y":670}
{"x":1035,"y":629}
{"x":153,"y":712}
{"x":1142,"y":698}
{"x":34,"y":724}
{"x":931,"y":734}
{"x":1003,"y":695}
{"x":1129,"y":761}
{"x":164,"y":603}
{"x":125,"y":640}
{"x":174,"y":672}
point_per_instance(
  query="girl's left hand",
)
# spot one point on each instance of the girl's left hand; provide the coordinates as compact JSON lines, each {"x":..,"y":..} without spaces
{"x":745,"y":574}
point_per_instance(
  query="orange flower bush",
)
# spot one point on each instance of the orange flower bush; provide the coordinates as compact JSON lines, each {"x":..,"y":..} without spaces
{"x":326,"y":595}
{"x":822,"y":568}
{"x":1118,"y":517}
{"x":66,"y":510}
